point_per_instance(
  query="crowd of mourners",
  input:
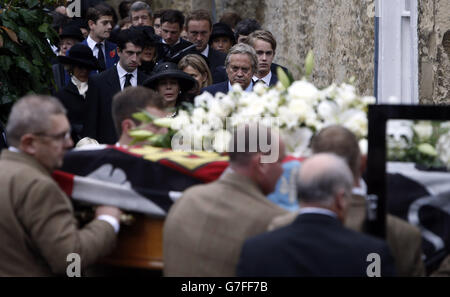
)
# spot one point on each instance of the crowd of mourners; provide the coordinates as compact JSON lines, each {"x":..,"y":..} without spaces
{"x":107,"y":68}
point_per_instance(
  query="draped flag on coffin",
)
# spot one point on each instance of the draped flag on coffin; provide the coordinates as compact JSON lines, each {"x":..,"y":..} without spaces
{"x":140,"y":179}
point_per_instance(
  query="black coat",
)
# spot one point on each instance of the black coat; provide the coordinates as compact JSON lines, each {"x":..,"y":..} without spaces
{"x":216,"y":61}
{"x":76,"y":106}
{"x":99,"y":123}
{"x":313,"y":245}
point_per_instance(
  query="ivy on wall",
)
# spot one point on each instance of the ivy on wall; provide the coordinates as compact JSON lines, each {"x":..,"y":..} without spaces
{"x":25,"y":53}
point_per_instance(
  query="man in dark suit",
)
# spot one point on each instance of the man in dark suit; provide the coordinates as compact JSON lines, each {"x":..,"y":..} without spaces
{"x":99,"y":123}
{"x":241,"y":64}
{"x":172,"y":22}
{"x":265,"y":45}
{"x":317,"y":243}
{"x":100,"y":21}
{"x":199,"y":28}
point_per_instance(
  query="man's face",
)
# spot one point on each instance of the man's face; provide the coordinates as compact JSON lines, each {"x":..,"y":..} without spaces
{"x":141,"y":18}
{"x":130,"y":56}
{"x":52,"y":145}
{"x":198,"y":32}
{"x":240,"y":70}
{"x":101,"y":29}
{"x":265,"y":55}
{"x":157,"y":26}
{"x":222,"y":44}
{"x":170,"y":32}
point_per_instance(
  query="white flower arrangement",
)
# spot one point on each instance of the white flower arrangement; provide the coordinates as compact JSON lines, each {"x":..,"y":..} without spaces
{"x":298,"y":111}
{"x":297,"y":108}
{"x":422,"y":142}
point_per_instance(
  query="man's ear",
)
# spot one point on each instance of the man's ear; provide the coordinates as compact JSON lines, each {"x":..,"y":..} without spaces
{"x":28,"y":144}
{"x":340,"y":204}
{"x":90,"y":24}
{"x":127,"y":125}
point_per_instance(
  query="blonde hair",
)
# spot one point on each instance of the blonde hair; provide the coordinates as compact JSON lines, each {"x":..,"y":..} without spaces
{"x":199,"y":64}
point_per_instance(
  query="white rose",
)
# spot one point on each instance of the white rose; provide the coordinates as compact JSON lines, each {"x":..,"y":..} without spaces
{"x":297,"y":139}
{"x":398,"y":129}
{"x":356,"y":121}
{"x":423,"y":129}
{"x":327,"y":109}
{"x":303,"y":90}
{"x":202,"y":99}
{"x":221,"y":140}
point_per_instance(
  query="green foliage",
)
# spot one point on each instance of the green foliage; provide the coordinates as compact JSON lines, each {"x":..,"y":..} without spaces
{"x":24,"y":51}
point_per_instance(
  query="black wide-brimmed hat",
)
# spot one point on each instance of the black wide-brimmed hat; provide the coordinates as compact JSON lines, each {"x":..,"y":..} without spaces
{"x":170,"y":70}
{"x":71,"y":31}
{"x":221,"y":29}
{"x":80,"y":55}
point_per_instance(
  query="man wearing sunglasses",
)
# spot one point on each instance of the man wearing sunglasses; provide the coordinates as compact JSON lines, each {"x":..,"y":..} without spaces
{"x":38,"y":231}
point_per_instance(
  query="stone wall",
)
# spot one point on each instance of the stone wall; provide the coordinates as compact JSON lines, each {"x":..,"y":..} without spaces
{"x":341,"y":34}
{"x":434,"y":64}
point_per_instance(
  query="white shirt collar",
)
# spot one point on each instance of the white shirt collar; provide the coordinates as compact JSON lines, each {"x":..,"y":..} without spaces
{"x":13,"y":149}
{"x":266,"y":79}
{"x":317,"y":210}
{"x":91,"y":43}
{"x":122,"y":72}
{"x":81,"y":86}
{"x":205,"y":52}
{"x":249,"y":88}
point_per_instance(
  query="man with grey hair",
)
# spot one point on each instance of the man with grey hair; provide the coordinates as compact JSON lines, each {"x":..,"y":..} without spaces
{"x":316,"y":243}
{"x":241,"y":64}
{"x":141,"y":14}
{"x":205,"y":228}
{"x":38,"y":230}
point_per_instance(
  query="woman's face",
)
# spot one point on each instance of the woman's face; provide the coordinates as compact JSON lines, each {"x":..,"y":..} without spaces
{"x":148,"y":54}
{"x":199,"y":77}
{"x":169,"y":89}
{"x":81,"y":73}
{"x":222,"y":44}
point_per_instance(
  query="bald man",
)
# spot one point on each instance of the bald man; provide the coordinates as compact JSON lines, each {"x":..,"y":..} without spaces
{"x":317,"y":243}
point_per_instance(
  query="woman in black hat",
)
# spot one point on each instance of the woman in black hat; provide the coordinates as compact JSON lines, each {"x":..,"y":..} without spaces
{"x":222,"y":37}
{"x":69,"y":36}
{"x":79,"y":63}
{"x":172,"y":83}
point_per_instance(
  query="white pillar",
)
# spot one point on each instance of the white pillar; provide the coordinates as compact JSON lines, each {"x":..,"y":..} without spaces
{"x":397,"y":51}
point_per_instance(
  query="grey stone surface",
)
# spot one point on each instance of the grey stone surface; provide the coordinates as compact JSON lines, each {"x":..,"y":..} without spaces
{"x":341,"y":34}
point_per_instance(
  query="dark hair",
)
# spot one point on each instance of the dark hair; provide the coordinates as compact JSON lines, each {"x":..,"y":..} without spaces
{"x":129,"y":35}
{"x":158,"y":13}
{"x":124,"y":6}
{"x":340,"y":141}
{"x":245,"y":27}
{"x":95,"y":13}
{"x":132,"y":100}
{"x":230,"y":18}
{"x":199,"y":15}
{"x":173,"y":16}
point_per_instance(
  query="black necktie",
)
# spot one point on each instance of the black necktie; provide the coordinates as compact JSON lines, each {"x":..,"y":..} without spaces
{"x":101,"y":57}
{"x":127,"y":80}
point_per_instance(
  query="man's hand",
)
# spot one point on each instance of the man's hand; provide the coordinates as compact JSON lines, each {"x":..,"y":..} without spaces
{"x":108,"y":210}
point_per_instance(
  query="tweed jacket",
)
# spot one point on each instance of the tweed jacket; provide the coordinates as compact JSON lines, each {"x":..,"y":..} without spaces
{"x":404,"y":240}
{"x":37,"y":226}
{"x":205,"y":229}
